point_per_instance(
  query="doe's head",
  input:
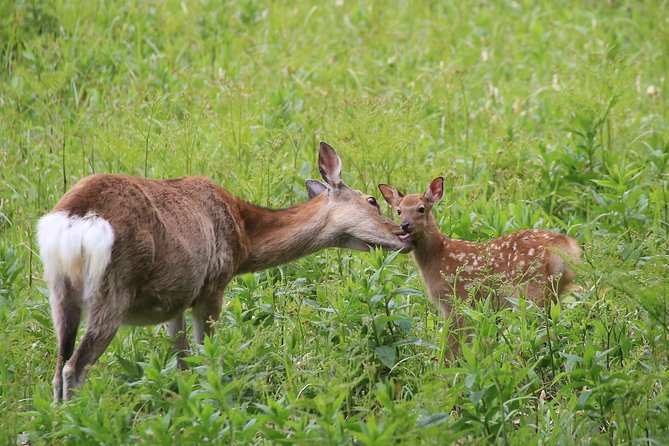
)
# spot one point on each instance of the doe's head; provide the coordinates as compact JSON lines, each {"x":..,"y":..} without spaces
{"x":354,"y":218}
{"x":414,"y":209}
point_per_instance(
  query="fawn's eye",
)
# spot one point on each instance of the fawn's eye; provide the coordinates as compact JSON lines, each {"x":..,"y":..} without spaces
{"x":372,"y":201}
{"x":421,"y":209}
{"x":399,"y":211}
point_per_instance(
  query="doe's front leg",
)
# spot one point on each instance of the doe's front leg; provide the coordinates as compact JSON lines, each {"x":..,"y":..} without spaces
{"x":176,"y":328}
{"x":205,"y":312}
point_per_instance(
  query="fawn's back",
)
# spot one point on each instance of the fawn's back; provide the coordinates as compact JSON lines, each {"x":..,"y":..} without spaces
{"x":533,"y":263}
{"x":528,"y":262}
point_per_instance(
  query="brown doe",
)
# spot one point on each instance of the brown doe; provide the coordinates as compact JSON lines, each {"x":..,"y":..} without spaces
{"x":532,"y":263}
{"x":137,"y":251}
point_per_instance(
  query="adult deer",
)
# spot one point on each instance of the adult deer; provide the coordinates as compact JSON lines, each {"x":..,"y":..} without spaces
{"x":138,"y":251}
{"x":530,"y":262}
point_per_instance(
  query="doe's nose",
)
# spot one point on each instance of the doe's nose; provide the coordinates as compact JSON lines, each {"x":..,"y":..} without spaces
{"x":405,"y":226}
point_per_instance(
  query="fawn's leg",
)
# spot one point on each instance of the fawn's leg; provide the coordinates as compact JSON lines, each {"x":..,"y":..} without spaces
{"x":450,"y":307}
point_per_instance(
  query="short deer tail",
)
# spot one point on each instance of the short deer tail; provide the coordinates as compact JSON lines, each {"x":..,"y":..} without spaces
{"x":75,"y":248}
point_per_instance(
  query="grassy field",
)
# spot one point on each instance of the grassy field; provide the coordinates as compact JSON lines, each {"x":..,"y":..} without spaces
{"x":547,"y":115}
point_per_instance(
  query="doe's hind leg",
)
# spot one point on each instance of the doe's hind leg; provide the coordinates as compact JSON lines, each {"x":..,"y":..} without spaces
{"x":104,"y":320}
{"x":65,"y":302}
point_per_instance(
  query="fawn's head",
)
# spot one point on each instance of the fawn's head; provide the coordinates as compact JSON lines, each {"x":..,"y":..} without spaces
{"x":414,"y":209}
{"x":354,"y":218}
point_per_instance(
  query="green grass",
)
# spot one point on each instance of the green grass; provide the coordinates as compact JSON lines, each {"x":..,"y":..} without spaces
{"x":539,"y":114}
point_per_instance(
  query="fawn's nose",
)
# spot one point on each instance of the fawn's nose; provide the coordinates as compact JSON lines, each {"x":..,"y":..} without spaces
{"x":405,"y":226}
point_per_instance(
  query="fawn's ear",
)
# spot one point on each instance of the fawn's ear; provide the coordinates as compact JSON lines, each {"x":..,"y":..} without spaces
{"x":314,"y":188}
{"x":435,"y":190}
{"x":329,"y":165}
{"x":392,"y":195}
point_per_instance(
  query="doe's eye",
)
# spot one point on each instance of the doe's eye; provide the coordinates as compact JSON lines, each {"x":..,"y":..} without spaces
{"x":399,"y":211}
{"x":421,"y":209}
{"x":372,"y":201}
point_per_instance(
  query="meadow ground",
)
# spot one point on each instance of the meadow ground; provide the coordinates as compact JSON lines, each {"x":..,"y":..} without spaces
{"x":539,"y":114}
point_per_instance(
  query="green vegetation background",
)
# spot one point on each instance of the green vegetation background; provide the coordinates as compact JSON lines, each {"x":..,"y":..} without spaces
{"x":539,"y":114}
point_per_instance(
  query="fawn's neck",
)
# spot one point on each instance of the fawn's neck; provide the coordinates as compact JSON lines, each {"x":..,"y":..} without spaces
{"x":429,"y":244}
{"x":279,"y":236}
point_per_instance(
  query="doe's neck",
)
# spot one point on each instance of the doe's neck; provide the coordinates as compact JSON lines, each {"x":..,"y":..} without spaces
{"x":280,"y":236}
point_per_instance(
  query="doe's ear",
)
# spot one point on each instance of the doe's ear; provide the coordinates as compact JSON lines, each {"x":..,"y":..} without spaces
{"x":314,"y":188}
{"x":391,"y":195}
{"x":435,"y":190}
{"x":329,"y":165}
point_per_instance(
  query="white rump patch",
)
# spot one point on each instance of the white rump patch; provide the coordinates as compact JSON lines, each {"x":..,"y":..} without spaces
{"x":75,"y":247}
